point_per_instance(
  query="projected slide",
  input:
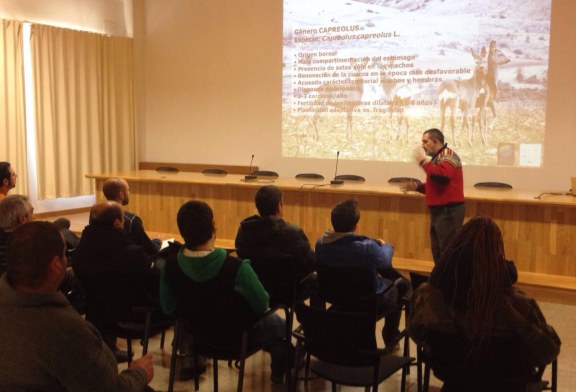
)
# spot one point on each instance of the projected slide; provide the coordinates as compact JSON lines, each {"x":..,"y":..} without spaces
{"x":367,"y":77}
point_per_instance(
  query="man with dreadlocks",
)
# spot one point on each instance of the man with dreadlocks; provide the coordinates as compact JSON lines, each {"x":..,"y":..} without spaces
{"x":478,"y":331}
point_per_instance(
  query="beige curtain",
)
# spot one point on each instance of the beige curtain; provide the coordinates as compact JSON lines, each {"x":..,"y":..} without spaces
{"x":84,"y":107}
{"x":12,"y":113}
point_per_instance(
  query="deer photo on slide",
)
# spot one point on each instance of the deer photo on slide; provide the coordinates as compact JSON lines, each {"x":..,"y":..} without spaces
{"x":489,"y":98}
{"x":462,"y":94}
{"x":345,"y":96}
{"x":397,"y":97}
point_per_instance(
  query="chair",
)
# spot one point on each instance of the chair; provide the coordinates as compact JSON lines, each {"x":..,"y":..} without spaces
{"x":279,"y":274}
{"x":498,"y":363}
{"x":206,"y":346}
{"x":491,"y":184}
{"x":131,"y":311}
{"x":169,"y":169}
{"x":353,"y":289}
{"x":349,"y":288}
{"x":309,"y":176}
{"x":217,"y":172}
{"x":344,"y":345}
{"x":144,"y":331}
{"x":417,"y":279}
{"x":350,"y":178}
{"x":265,"y":173}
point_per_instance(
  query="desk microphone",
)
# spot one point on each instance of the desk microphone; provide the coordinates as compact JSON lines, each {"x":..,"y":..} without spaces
{"x":250,"y":176}
{"x":335,"y":181}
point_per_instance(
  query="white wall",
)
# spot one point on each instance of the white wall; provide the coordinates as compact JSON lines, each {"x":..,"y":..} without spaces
{"x":209,"y":91}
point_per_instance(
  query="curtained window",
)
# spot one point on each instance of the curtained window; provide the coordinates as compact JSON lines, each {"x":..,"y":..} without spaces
{"x":12,"y":107}
{"x":84,"y":108}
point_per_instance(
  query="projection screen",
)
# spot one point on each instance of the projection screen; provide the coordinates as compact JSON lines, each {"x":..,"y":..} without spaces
{"x":367,"y":77}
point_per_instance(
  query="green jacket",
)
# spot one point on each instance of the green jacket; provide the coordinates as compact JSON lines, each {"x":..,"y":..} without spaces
{"x":201,"y":269}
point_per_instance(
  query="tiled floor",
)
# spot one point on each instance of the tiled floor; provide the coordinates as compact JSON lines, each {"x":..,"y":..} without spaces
{"x":257,"y":377}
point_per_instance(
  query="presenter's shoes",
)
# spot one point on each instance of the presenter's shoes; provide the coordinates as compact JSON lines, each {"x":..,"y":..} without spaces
{"x":122,"y":356}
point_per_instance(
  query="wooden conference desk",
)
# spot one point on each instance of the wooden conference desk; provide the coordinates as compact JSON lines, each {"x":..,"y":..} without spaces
{"x":539,"y":235}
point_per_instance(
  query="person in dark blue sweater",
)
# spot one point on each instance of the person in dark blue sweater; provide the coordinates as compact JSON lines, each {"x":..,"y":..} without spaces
{"x":344,"y":248}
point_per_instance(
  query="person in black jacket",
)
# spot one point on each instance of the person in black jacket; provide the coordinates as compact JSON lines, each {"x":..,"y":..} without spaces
{"x":105,"y":258}
{"x":117,"y":189}
{"x":279,"y":251}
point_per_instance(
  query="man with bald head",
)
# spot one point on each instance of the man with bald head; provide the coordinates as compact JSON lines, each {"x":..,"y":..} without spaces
{"x":118,"y":190}
{"x":105,"y":258}
{"x":16,"y":210}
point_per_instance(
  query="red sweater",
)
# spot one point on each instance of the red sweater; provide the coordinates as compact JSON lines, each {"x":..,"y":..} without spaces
{"x":444,"y":179}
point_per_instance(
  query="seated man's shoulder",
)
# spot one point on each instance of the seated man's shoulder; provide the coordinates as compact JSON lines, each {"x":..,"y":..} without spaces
{"x":130,"y":220}
{"x":130,"y":215}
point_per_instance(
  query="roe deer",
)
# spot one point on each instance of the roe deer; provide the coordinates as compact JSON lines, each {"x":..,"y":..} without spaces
{"x":398,"y":97}
{"x":495,"y":59}
{"x":346,"y":95}
{"x":462,"y":94}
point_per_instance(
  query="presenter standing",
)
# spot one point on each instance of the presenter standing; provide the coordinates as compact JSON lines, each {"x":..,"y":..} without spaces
{"x":444,"y":189}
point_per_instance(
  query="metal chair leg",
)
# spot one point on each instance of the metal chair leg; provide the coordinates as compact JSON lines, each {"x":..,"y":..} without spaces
{"x":174,"y":356}
{"x":215,"y":372}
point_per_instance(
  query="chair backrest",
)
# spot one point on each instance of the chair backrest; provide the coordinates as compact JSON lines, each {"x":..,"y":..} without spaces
{"x":2,"y":259}
{"x":347,"y":287}
{"x":219,"y":172}
{"x":309,"y":176}
{"x":121,"y":299}
{"x":350,"y":178}
{"x":338,"y":337}
{"x":501,"y":362}
{"x":417,"y":279}
{"x":265,"y":173}
{"x":214,"y":312}
{"x":279,"y":274}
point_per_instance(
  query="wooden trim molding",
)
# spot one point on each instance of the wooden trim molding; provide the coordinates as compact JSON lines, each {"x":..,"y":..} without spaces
{"x":198,"y":167}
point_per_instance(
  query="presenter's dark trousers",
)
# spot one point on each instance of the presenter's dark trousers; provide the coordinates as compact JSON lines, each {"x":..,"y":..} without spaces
{"x":445,"y":224}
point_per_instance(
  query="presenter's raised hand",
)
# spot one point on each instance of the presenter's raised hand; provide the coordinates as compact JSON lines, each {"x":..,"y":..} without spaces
{"x":419,"y":155}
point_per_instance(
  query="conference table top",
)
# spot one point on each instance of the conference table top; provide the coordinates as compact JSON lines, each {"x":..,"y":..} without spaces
{"x":369,"y":187}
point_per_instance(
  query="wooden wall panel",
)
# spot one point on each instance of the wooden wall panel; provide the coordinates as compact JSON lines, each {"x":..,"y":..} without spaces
{"x":538,"y":235}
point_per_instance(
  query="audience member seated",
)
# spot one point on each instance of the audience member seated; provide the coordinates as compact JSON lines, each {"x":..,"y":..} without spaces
{"x":279,"y":251}
{"x":15,"y":210}
{"x":46,"y":345}
{"x":105,"y":257}
{"x":117,"y":189}
{"x":478,"y":331}
{"x":344,"y":248}
{"x":7,"y":179}
{"x":201,"y":276}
